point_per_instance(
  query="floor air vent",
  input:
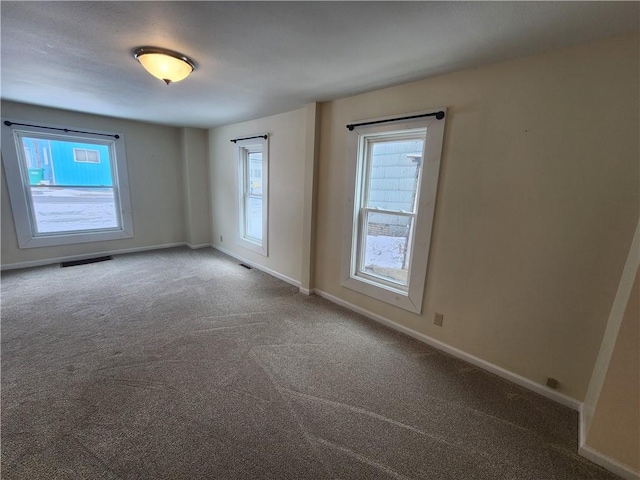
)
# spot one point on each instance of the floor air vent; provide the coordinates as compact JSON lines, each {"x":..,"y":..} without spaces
{"x":245,"y":266}
{"x":84,"y":262}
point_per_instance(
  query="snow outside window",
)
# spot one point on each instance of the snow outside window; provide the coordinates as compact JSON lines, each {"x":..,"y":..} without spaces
{"x":252,"y":160}
{"x":393,"y":172}
{"x":66,"y":187}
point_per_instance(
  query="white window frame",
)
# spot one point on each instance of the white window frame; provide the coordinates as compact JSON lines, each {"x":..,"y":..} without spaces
{"x":242,"y":150}
{"x":18,"y":184}
{"x":408,"y":298}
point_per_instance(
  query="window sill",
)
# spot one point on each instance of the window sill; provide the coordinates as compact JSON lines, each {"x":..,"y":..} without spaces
{"x":254,"y":247}
{"x":397,"y":298}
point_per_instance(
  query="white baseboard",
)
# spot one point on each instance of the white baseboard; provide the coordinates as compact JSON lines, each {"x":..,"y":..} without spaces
{"x":197,"y":246}
{"x":608,"y":463}
{"x":306,"y":291}
{"x":258,"y":266}
{"x":478,"y":362}
{"x":70,"y":258}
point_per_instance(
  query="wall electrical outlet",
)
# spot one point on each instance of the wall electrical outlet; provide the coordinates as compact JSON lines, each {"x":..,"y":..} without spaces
{"x":438,"y":318}
{"x":220,"y":238}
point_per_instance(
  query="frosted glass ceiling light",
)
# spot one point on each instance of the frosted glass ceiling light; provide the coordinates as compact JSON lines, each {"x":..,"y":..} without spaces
{"x":164,"y":64}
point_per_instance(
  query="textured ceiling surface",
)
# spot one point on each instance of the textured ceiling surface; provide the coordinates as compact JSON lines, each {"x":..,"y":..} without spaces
{"x":260,"y":58}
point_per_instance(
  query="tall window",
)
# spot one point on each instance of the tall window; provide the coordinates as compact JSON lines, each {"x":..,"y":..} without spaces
{"x":252,"y":160}
{"x":394,"y":174}
{"x":66,"y":187}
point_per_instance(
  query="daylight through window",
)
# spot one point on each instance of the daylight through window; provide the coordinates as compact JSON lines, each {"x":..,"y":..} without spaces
{"x":252,"y":160}
{"x":388,"y":206}
{"x":69,"y":187}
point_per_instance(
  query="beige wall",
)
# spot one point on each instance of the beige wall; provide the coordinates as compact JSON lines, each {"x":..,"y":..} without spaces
{"x":286,"y":189}
{"x":615,"y":427}
{"x":536,"y":207}
{"x":194,"y":143}
{"x":155,"y":178}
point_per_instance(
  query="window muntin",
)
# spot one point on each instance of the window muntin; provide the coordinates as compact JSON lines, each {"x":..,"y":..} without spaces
{"x":252,"y":161}
{"x":59,"y":200}
{"x":389,"y":215}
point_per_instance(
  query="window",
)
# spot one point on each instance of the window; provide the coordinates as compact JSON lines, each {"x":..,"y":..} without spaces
{"x":87,"y":156}
{"x":65,"y":186}
{"x":393,"y":171}
{"x":253,"y":163}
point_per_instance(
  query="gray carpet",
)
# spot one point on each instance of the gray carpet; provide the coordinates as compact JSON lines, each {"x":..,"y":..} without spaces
{"x":181,"y":364}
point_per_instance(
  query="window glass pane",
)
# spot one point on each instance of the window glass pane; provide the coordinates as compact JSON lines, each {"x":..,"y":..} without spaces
{"x":394,"y":169}
{"x":60,"y":209}
{"x":71,"y":190}
{"x":255,"y":173}
{"x":386,"y":246}
{"x":254,"y":218}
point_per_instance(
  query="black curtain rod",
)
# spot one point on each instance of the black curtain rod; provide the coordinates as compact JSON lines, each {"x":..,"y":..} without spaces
{"x":439,"y":115}
{"x":248,"y":138}
{"x":8,"y":124}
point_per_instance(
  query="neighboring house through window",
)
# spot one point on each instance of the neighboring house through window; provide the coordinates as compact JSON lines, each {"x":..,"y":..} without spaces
{"x":66,"y":186}
{"x":252,"y":160}
{"x":393,"y":170}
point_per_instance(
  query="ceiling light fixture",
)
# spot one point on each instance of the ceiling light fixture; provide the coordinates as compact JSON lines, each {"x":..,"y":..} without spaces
{"x":164,"y":64}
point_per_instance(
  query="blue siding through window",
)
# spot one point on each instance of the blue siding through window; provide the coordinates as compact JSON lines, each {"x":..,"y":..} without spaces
{"x":56,"y":159}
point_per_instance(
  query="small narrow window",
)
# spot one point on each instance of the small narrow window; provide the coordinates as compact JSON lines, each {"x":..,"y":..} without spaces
{"x":252,"y":161}
{"x":66,"y":187}
{"x":394,"y":174}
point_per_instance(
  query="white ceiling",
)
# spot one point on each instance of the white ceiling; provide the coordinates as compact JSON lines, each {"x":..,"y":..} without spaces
{"x":260,"y":58}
